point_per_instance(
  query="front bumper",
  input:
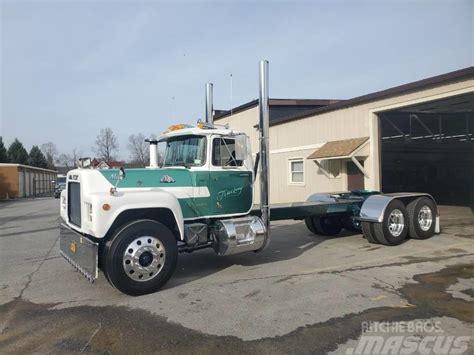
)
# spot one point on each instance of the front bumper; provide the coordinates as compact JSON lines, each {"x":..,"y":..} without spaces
{"x":79,"y":251}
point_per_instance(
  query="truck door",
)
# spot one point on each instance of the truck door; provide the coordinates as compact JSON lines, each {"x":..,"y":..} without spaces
{"x":230,"y":182}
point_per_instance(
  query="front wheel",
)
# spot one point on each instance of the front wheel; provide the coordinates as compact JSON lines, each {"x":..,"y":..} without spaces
{"x":140,"y":257}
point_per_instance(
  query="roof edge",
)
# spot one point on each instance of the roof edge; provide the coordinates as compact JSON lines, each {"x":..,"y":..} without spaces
{"x":26,"y":166}
{"x":277,"y":102}
{"x":458,"y":75}
{"x":453,"y":76}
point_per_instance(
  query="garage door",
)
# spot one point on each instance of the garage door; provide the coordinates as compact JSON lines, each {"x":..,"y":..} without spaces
{"x":430,"y":148}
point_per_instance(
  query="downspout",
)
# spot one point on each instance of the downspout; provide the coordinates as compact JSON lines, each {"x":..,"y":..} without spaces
{"x":209,"y":103}
{"x":263,"y":125}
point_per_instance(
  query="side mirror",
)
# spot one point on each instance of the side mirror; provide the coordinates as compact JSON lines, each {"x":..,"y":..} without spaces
{"x":241,"y":147}
{"x":122,"y":173}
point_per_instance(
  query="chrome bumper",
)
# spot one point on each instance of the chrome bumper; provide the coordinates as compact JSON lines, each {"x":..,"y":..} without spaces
{"x":79,"y":251}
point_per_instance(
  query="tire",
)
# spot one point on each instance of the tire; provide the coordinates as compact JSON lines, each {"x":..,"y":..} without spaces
{"x":387,"y":235}
{"x":352,"y":224}
{"x":140,"y":257}
{"x":327,"y":225}
{"x":424,"y":208}
{"x":368,"y":231}
{"x":309,"y":224}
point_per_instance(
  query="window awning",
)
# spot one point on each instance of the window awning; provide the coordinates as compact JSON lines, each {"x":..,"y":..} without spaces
{"x":343,"y":149}
{"x":346,"y":148}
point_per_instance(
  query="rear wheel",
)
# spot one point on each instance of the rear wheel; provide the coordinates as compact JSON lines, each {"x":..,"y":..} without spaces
{"x":422,"y":215}
{"x":352,"y":224}
{"x":309,"y":224}
{"x":369,"y":234}
{"x":327,"y":225}
{"x":394,"y":228}
{"x":140,"y":257}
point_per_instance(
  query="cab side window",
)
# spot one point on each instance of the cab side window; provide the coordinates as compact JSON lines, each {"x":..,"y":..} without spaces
{"x":223,"y":152}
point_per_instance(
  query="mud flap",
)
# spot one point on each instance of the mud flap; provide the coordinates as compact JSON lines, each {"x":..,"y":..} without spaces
{"x":79,"y":251}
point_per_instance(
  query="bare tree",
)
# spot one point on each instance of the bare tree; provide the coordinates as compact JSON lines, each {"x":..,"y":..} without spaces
{"x":69,"y":160}
{"x":106,"y":144}
{"x":75,"y":155}
{"x":64,"y":160}
{"x":139,"y":150}
{"x":51,"y":153}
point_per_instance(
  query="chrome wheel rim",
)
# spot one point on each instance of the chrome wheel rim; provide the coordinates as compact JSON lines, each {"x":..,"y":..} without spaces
{"x":396,"y":222}
{"x":144,"y":258}
{"x":425,"y":218}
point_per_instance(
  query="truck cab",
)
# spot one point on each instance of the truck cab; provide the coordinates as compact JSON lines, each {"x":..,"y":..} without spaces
{"x":199,"y":195}
{"x":217,"y":163}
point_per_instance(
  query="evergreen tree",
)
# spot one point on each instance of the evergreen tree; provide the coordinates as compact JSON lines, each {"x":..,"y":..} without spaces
{"x":37,"y":158}
{"x":3,"y":152}
{"x":17,"y":153}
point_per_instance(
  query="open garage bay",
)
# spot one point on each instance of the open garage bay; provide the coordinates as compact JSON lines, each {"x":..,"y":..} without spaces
{"x":430,"y":148}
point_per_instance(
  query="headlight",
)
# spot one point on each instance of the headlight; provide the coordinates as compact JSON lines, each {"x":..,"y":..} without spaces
{"x":89,"y":211}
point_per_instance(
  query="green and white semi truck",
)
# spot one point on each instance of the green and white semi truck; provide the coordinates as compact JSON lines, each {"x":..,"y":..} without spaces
{"x":133,"y":224}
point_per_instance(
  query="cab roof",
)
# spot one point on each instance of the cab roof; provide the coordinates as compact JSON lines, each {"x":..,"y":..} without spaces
{"x":175,"y":132}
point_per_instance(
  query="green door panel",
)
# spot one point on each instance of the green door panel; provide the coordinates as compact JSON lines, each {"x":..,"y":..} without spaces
{"x":200,"y":205}
{"x":231,"y":191}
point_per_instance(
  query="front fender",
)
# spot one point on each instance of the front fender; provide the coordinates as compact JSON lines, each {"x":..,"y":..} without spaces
{"x":124,"y":200}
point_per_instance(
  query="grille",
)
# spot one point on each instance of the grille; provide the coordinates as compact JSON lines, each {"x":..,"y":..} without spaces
{"x":74,"y":203}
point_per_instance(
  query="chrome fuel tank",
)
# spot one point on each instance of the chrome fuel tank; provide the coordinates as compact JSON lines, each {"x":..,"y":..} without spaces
{"x":238,"y":235}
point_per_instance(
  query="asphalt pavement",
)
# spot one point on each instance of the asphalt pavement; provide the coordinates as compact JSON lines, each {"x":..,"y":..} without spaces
{"x":304,"y":294}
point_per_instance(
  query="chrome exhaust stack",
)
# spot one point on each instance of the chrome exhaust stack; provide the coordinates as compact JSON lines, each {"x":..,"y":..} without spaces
{"x":249,"y":233}
{"x":264,"y":130}
{"x":209,"y":103}
{"x":153,"y":153}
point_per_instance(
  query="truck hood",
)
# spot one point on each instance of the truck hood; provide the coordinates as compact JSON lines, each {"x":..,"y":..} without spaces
{"x":136,"y":178}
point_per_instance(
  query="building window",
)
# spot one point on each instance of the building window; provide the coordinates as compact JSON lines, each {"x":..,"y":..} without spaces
{"x":297,"y":171}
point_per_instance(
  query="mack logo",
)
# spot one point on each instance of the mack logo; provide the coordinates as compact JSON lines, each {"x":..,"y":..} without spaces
{"x":167,"y":179}
{"x":234,"y":192}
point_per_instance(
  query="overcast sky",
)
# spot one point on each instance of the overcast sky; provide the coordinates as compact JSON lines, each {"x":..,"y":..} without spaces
{"x":69,"y":68}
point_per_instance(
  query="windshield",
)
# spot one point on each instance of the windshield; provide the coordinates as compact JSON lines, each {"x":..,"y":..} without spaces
{"x":60,"y":180}
{"x":185,"y":151}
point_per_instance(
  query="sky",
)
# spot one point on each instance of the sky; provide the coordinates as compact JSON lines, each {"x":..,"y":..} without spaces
{"x":70,"y":68}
